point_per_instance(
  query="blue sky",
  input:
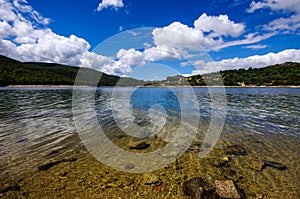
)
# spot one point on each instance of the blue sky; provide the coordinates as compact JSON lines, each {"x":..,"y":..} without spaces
{"x":124,"y":37}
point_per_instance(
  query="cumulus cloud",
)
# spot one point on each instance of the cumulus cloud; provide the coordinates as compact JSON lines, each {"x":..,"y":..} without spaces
{"x":256,"y":61}
{"x":110,"y":3}
{"x":219,"y":26}
{"x":105,"y":64}
{"x":208,"y":34}
{"x":178,"y":35}
{"x":25,"y":37}
{"x":131,"y":57}
{"x":285,"y":25}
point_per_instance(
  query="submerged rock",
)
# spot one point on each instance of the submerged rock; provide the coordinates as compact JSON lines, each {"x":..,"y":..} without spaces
{"x":23,"y":140}
{"x":140,"y":146}
{"x":8,"y":188}
{"x":54,"y":152}
{"x":275,"y":165}
{"x":47,"y":166}
{"x":227,"y":189}
{"x":129,"y":166}
{"x":197,"y":188}
{"x":235,"y":150}
{"x":223,"y":162}
{"x":229,"y":173}
{"x":258,"y":165}
{"x":150,"y":179}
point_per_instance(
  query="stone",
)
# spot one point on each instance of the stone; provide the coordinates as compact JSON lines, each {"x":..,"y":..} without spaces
{"x":227,"y":189}
{"x":223,"y":162}
{"x":235,"y":150}
{"x":23,"y":140}
{"x":275,"y":165}
{"x":225,"y":159}
{"x":228,"y":173}
{"x":129,"y":166}
{"x":140,"y":146}
{"x":258,"y":165}
{"x":119,"y":136}
{"x":197,"y":188}
{"x":150,"y":179}
{"x":54,"y":152}
{"x":8,"y":188}
{"x":259,"y":196}
{"x":47,"y":166}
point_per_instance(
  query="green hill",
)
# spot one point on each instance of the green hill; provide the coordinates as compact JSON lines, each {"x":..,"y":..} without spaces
{"x":286,"y":74}
{"x":18,"y":73}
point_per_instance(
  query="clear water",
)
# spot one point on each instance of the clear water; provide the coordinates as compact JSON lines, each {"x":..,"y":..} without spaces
{"x":37,"y":121}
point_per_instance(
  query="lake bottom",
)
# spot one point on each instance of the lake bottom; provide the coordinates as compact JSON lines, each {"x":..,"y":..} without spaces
{"x":68,"y":170}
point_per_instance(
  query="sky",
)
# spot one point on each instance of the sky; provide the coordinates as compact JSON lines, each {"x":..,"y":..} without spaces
{"x":152,"y":39}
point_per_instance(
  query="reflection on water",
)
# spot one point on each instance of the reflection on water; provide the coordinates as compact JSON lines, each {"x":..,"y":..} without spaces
{"x":36,"y":122}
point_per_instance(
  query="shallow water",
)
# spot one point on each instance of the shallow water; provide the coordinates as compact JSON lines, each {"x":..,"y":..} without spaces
{"x":37,"y":127}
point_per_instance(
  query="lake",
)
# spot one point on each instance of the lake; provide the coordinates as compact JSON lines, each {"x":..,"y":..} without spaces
{"x":49,"y":148}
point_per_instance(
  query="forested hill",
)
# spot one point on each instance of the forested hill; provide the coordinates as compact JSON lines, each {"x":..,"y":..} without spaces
{"x":18,"y":73}
{"x":13,"y":72}
{"x":286,"y":74}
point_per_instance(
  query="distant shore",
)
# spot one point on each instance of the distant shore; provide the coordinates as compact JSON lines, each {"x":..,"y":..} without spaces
{"x":71,"y":86}
{"x":42,"y":86}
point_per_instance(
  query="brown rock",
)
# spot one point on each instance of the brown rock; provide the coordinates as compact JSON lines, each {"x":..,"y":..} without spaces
{"x":258,"y":165}
{"x":197,"y":188}
{"x":235,"y":150}
{"x":140,"y":146}
{"x":227,"y":189}
{"x":275,"y":165}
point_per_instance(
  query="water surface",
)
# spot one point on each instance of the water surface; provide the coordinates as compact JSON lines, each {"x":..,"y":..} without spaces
{"x":37,"y":126}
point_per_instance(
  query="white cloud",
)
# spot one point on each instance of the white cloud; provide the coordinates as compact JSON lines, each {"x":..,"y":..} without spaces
{"x":163,"y":53}
{"x":249,"y":39}
{"x":178,"y":35}
{"x":104,"y":64}
{"x":291,"y":24}
{"x":7,"y":11}
{"x":208,"y":34}
{"x":256,"y":61}
{"x":110,"y":3}
{"x":131,"y":57}
{"x":29,"y":43}
{"x":287,"y":5}
{"x":256,"y":47}
{"x":285,"y":25}
{"x":5,"y":29}
{"x":219,"y":26}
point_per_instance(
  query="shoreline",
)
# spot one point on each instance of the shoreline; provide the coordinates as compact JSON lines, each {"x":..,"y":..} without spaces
{"x":72,"y":86}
